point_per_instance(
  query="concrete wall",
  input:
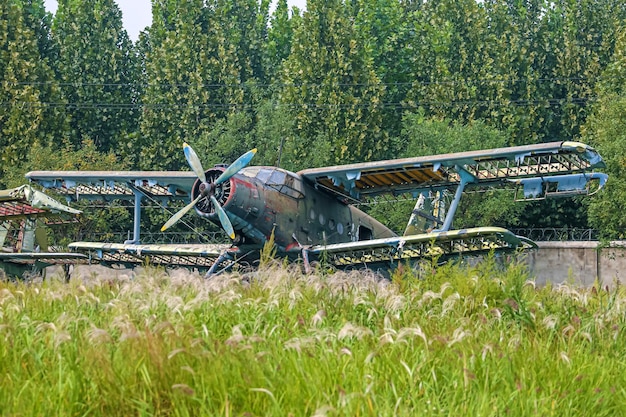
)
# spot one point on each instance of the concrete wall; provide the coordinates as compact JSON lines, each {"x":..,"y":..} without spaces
{"x":578,"y":263}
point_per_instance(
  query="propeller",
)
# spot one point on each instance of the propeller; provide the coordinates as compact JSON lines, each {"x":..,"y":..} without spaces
{"x":208,"y":189}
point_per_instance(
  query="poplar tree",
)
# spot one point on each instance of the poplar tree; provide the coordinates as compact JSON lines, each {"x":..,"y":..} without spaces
{"x":96,"y":67}
{"x":27,"y":91}
{"x":333,"y":90}
{"x":581,"y":39}
{"x":606,"y":130}
{"x":201,"y":59}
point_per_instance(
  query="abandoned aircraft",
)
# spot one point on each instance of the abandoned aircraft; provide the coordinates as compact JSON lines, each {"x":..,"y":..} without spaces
{"x":312,"y":214}
{"x":24,"y":215}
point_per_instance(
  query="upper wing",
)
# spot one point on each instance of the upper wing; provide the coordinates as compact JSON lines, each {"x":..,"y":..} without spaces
{"x":357,"y":182}
{"x":97,"y":185}
{"x":441,"y":245}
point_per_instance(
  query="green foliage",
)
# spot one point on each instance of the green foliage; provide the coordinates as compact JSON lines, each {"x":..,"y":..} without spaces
{"x":97,"y":68}
{"x":279,"y":38}
{"x":26,"y":86}
{"x":202,"y":59}
{"x":325,"y":86}
{"x":424,"y":136}
{"x":606,"y":130}
{"x":332,"y":86}
{"x":274,"y":131}
{"x":268,"y":253}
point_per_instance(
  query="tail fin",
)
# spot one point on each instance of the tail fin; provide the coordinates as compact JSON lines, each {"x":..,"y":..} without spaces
{"x":428,"y":214}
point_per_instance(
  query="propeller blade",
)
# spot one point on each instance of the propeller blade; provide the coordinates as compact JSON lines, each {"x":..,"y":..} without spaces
{"x":236,"y":166}
{"x":194,"y":161}
{"x":179,"y":214}
{"x":228,"y":227}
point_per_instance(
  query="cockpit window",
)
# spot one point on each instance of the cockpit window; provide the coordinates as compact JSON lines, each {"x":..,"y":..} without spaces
{"x":263,"y":175}
{"x":277,"y":178}
{"x":281,"y":180}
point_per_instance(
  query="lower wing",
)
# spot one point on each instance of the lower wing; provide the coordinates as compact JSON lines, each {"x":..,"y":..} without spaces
{"x":52,"y":258}
{"x":442,"y":245}
{"x":182,"y":255}
{"x":19,"y":263}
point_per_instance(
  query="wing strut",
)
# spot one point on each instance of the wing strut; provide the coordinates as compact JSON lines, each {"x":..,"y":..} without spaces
{"x":466,"y":178}
{"x":224,"y":256}
{"x":136,"y":220}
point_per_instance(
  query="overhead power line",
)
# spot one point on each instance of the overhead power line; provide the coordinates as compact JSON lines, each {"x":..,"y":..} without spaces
{"x":547,"y":102}
{"x":444,"y":81}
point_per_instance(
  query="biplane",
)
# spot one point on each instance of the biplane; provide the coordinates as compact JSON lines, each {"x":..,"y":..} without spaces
{"x":312,"y":214}
{"x":25,"y":213}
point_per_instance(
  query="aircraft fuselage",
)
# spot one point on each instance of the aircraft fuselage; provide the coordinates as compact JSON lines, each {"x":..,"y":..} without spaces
{"x":260,"y":201}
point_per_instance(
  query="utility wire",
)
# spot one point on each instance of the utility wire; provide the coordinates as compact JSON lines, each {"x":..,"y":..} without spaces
{"x":546,"y":102}
{"x":444,"y":81}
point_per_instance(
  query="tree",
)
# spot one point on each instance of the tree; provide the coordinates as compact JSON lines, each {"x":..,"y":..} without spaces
{"x":333,"y":91}
{"x":518,"y":88}
{"x":580,"y":42}
{"x":279,"y":38}
{"x":28,"y":93}
{"x":606,"y":130}
{"x":202,"y":60}
{"x":97,"y":68}
{"x":386,"y":29}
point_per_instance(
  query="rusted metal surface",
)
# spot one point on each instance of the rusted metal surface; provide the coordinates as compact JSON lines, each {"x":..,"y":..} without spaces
{"x":23,"y":213}
{"x":25,"y":202}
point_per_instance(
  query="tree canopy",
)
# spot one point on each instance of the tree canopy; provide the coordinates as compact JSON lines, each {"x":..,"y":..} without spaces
{"x":342,"y":81}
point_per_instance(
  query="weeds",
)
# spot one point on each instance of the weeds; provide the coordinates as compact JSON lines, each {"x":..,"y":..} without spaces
{"x":459,"y":339}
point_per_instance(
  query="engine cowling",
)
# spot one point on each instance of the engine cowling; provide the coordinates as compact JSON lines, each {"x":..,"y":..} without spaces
{"x":204,"y":206}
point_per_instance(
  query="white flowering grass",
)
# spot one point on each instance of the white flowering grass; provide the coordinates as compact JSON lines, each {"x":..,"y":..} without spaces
{"x":459,"y":340}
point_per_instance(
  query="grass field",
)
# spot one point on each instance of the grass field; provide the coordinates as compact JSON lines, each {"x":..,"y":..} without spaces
{"x":460,"y":340}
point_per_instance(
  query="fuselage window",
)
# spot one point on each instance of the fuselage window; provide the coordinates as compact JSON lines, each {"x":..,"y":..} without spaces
{"x":365,"y":233}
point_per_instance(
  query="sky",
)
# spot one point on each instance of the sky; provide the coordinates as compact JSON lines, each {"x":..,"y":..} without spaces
{"x":136,"y":14}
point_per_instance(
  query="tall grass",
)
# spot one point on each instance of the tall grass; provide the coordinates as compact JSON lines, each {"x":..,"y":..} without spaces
{"x":458,"y":340}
